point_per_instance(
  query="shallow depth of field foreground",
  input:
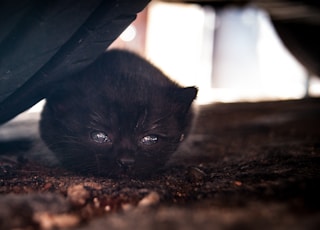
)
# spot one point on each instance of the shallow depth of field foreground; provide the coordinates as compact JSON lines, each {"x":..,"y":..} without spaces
{"x":245,"y":165}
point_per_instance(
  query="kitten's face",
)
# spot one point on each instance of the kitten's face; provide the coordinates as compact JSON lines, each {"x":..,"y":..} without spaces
{"x":121,"y":115}
{"x":111,"y":135}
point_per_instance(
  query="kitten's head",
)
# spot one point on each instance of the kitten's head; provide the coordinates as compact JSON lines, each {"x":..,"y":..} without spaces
{"x":121,"y":127}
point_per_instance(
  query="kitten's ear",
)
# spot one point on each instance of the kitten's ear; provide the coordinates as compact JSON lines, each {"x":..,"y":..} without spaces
{"x":183,"y":96}
{"x":188,"y":94}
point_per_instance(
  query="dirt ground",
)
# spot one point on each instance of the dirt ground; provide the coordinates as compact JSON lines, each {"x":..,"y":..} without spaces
{"x":245,"y":166}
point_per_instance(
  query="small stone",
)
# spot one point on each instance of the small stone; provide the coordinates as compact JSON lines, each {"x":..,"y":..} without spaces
{"x":52,"y":221}
{"x":127,"y":207}
{"x":151,"y":199}
{"x":77,"y":195}
{"x":47,"y":186}
{"x":107,"y":208}
{"x":96,"y":202}
{"x":93,"y":185}
{"x":196,"y":174}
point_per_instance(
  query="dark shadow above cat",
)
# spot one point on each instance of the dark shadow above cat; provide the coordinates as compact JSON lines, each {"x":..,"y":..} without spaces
{"x":121,"y":115}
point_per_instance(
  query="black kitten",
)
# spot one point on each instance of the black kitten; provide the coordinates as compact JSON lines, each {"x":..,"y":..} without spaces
{"x":120,"y":115}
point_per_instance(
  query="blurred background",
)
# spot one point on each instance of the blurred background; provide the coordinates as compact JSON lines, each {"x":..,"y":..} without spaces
{"x":231,"y":54}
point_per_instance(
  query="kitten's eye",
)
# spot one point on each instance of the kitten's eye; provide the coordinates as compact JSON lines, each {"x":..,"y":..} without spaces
{"x":149,"y":140}
{"x":100,"y":137}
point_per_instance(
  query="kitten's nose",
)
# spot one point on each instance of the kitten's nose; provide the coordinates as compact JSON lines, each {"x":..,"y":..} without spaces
{"x":126,"y":162}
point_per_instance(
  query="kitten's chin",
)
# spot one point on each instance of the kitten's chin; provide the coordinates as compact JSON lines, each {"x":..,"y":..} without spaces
{"x":117,"y":172}
{"x":133,"y":173}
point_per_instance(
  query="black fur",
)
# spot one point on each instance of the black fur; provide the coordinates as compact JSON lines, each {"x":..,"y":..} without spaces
{"x":143,"y":114}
